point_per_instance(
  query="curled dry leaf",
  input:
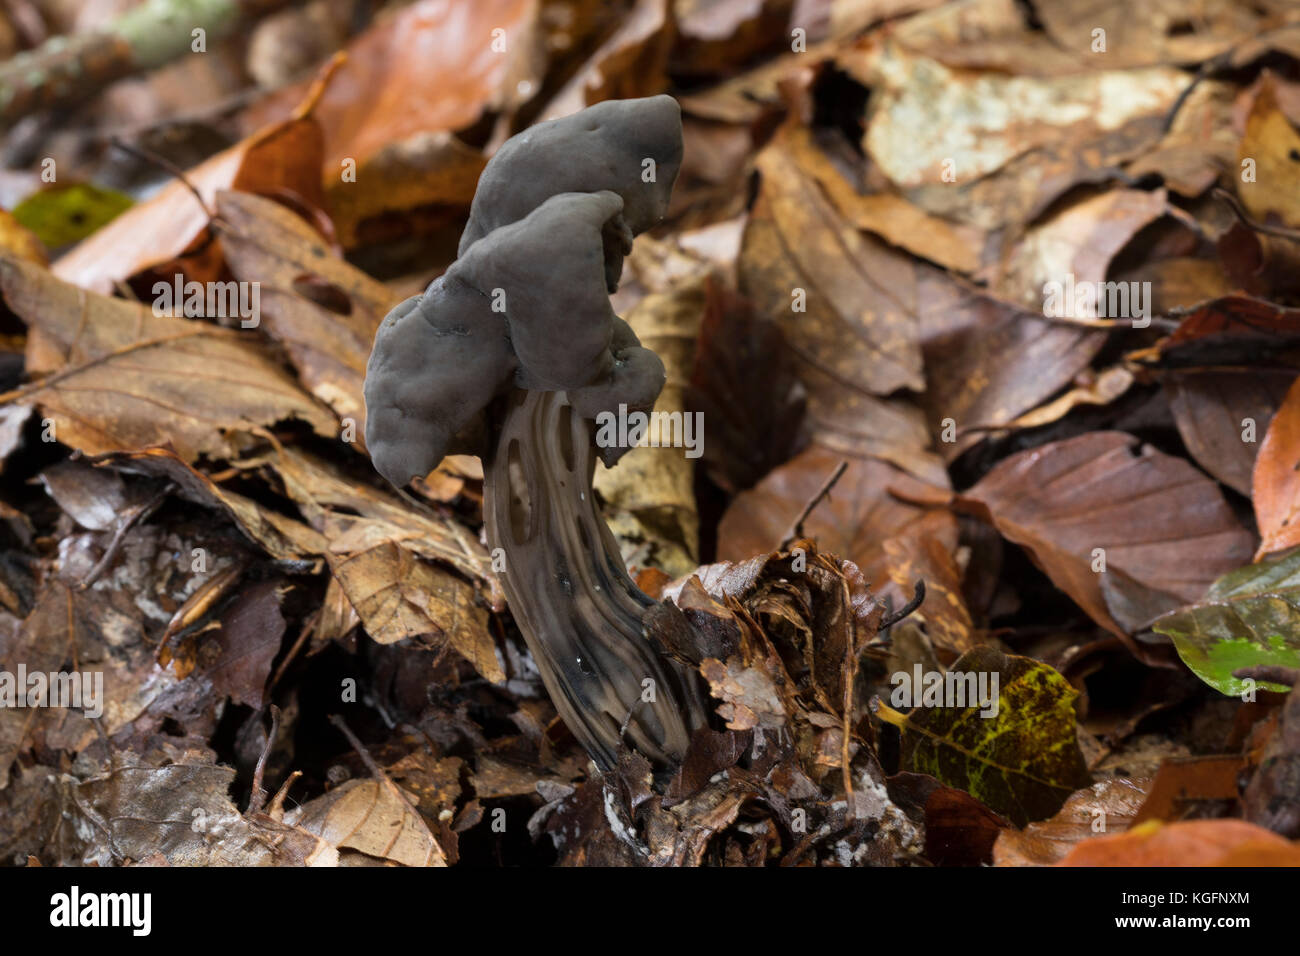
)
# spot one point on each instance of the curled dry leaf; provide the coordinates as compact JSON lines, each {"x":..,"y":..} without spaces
{"x":1107,"y":806}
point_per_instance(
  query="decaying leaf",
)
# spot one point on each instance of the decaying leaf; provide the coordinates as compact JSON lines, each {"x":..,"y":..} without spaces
{"x":1250,"y":617}
{"x":1015,"y":748}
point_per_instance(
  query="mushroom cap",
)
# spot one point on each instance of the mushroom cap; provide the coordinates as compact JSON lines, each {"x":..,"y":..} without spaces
{"x":603,"y":147}
{"x":526,"y":304}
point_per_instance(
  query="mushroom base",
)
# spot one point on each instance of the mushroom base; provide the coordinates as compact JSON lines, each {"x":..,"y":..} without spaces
{"x":569,"y":591}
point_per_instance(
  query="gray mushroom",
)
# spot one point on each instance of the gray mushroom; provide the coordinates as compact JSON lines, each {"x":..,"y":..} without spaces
{"x":511,"y":354}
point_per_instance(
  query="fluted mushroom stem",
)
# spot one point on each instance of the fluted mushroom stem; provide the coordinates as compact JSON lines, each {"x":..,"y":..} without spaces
{"x":569,"y":590}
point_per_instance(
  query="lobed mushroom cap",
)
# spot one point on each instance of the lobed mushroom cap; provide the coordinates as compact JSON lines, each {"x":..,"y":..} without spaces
{"x":603,"y":147}
{"x":528,"y":305}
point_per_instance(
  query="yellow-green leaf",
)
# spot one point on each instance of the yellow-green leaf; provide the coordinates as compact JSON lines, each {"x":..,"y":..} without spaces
{"x":1014,"y":746}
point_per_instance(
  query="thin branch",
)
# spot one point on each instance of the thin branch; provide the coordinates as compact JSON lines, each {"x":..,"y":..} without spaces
{"x":796,"y":529}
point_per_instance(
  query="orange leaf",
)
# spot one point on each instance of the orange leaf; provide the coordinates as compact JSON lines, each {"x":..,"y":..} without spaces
{"x":1191,"y":843}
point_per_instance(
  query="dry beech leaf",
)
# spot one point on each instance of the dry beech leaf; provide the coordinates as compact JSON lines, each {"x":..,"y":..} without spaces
{"x":650,"y":494}
{"x":353,"y":516}
{"x":280,"y":536}
{"x":176,"y":805}
{"x":373,"y":818}
{"x":925,"y":120}
{"x":968,"y":336}
{"x":1223,"y":414}
{"x":267,"y":244}
{"x":116,"y":377}
{"x":846,"y":305}
{"x":398,"y":596}
{"x":1107,"y":806}
{"x":1157,"y":521}
{"x":860,"y":296}
{"x":1077,"y":243}
{"x":1271,"y":143}
{"x":630,"y":63}
{"x":383,"y":127}
{"x":1154,"y":37}
{"x":853,"y":520}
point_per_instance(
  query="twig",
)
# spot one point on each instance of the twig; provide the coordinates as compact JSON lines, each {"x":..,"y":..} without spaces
{"x":308,"y":626}
{"x":918,"y":595}
{"x":1280,"y":231}
{"x":796,"y":529}
{"x":138,"y":514}
{"x":163,"y":163}
{"x":257,"y":799}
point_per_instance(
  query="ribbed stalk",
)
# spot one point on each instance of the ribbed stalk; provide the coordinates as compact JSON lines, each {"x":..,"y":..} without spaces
{"x":569,"y":591}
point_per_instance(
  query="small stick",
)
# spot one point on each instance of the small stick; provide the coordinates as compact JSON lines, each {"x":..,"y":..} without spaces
{"x":918,"y":595}
{"x":796,"y":529}
{"x":257,"y":799}
{"x":1280,"y":231}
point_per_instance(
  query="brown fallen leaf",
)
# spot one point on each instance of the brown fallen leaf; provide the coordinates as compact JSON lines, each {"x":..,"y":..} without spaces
{"x":1154,"y":37}
{"x":390,"y":144}
{"x":1182,"y":781}
{"x":280,"y":536}
{"x":972,"y":386}
{"x":1223,"y":416}
{"x":353,"y":516}
{"x":846,"y":303}
{"x":1107,"y":806}
{"x":175,"y":803}
{"x":650,"y":494}
{"x":398,"y":596}
{"x":328,"y":341}
{"x":1101,"y":501}
{"x":630,"y":63}
{"x":16,"y":240}
{"x":856,"y":516}
{"x":945,"y":139}
{"x":1267,"y":150}
{"x":252,"y":628}
{"x":1230,"y":331}
{"x":374,"y":819}
{"x":744,"y":385}
{"x":1074,"y":245}
{"x":115,"y":377}
{"x":921,"y":555}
